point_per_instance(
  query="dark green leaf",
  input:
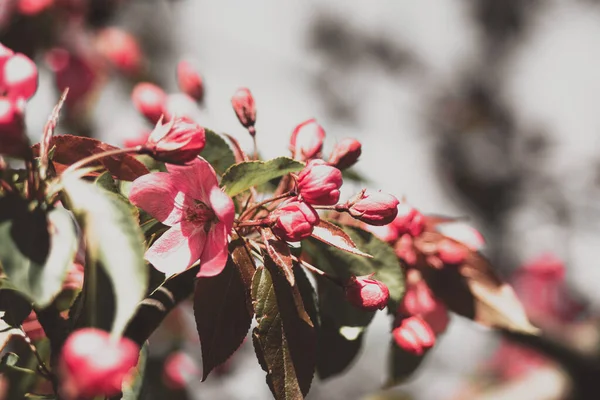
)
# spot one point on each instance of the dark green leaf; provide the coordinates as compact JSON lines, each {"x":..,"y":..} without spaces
{"x":36,"y":249}
{"x":222,"y":318}
{"x":114,"y":241}
{"x":217,"y":152}
{"x":243,"y":176}
{"x":242,"y":258}
{"x":107,"y":182}
{"x":402,"y":365}
{"x":284,"y":341}
{"x":15,"y":307}
{"x":20,"y":379}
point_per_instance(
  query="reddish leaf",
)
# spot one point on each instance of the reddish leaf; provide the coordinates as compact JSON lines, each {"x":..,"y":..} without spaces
{"x":222,"y":318}
{"x":242,"y":258}
{"x":280,"y":253}
{"x":70,"y":149}
{"x":331,"y":234}
{"x":285,"y":343}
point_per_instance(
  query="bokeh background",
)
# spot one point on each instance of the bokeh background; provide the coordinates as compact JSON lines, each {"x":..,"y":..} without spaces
{"x":480,"y":108}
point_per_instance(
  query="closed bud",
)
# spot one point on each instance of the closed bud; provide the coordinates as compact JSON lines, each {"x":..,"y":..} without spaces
{"x":294,"y":221}
{"x":150,"y":100}
{"x":121,"y":49}
{"x":94,"y":364}
{"x":451,"y":252}
{"x":366,"y":293}
{"x":307,"y":140}
{"x":319,"y":183}
{"x":33,"y":7}
{"x":179,"y":141}
{"x":345,"y":153}
{"x":190,"y":81}
{"x":373,"y":208}
{"x":13,"y":140}
{"x":405,"y":250}
{"x":19,"y":77}
{"x":420,"y":301}
{"x":409,"y":220}
{"x":414,"y":335}
{"x":5,"y":55}
{"x":179,"y":370}
{"x":73,"y":71}
{"x":244,"y":107}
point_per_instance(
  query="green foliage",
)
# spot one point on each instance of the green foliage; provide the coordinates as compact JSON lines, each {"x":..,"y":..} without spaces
{"x":217,"y":152}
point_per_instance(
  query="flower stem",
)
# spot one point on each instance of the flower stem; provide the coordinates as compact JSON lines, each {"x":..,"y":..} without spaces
{"x":259,"y":222}
{"x":99,"y":156}
{"x":317,"y":271}
{"x":255,"y":147}
{"x":267,"y":201}
{"x":42,"y":368}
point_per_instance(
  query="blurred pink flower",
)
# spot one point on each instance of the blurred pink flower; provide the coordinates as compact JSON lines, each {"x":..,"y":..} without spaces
{"x":189,"y":200}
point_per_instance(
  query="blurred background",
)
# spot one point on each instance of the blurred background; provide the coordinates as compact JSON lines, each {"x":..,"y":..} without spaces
{"x":479,"y":108}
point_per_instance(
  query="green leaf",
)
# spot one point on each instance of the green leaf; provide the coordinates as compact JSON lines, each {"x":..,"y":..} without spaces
{"x":115,"y":242}
{"x":36,"y":248}
{"x":20,"y":379}
{"x":221,"y":315}
{"x":217,"y":152}
{"x":107,"y":182}
{"x":343,"y":265}
{"x":285,"y":343}
{"x":402,"y":365}
{"x":243,"y":176}
{"x":15,"y":307}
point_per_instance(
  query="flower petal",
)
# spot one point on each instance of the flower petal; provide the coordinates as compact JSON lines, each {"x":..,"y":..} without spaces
{"x":157,"y":195}
{"x":176,"y":250}
{"x":196,"y":178}
{"x":214,"y":256}
{"x":223,"y":206}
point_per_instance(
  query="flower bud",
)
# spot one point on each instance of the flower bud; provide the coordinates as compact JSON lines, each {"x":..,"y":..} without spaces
{"x":150,"y":100}
{"x":5,"y":55}
{"x":345,"y":153}
{"x":190,"y":81}
{"x":121,"y":49}
{"x":93,"y":364}
{"x":179,"y":370}
{"x":245,"y":109}
{"x":409,"y":220}
{"x":13,"y":140}
{"x":414,"y":335}
{"x":177,"y":142}
{"x":294,"y":221}
{"x":462,"y":233}
{"x":33,"y":7}
{"x":72,"y":71}
{"x":307,"y":140}
{"x":405,"y":250}
{"x":451,"y":252}
{"x":373,"y":208}
{"x":19,"y":77}
{"x":420,"y":301}
{"x":366,"y":293}
{"x":319,"y":183}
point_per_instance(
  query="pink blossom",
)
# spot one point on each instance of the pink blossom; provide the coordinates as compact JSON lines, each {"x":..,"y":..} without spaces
{"x":319,"y":183}
{"x":373,"y":208}
{"x":189,"y":200}
{"x":149,"y":100}
{"x":245,"y":108}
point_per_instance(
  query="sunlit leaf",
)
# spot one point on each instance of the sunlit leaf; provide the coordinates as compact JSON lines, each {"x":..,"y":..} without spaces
{"x":333,"y":235}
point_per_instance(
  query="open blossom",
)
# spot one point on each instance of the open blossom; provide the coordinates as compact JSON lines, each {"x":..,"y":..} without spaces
{"x":189,"y":200}
{"x":373,"y":208}
{"x":93,"y":364}
{"x":345,"y":153}
{"x":366,"y":293}
{"x":294,"y":221}
{"x":319,"y":183}
{"x":414,"y":335}
{"x":121,"y":48}
{"x":78,"y":72}
{"x":189,"y":80}
{"x":149,"y":100}
{"x":307,"y":140}
{"x":179,"y":141}
{"x":244,"y":107}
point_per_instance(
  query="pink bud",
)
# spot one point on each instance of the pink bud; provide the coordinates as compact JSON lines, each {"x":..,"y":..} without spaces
{"x":5,"y":55}
{"x":33,"y":7}
{"x":19,"y":77}
{"x":366,"y":293}
{"x":405,"y":250}
{"x":420,"y":301}
{"x":451,"y":252}
{"x":546,"y":265}
{"x":179,"y":370}
{"x":307,"y":140}
{"x":319,"y":183}
{"x":409,"y":220}
{"x":244,"y":107}
{"x":176,"y":142}
{"x":121,"y":49}
{"x":93,"y":364}
{"x":13,"y":141}
{"x":463,"y":233}
{"x":386,"y":233}
{"x":74,"y":72}
{"x":190,"y":81}
{"x":149,"y":100}
{"x":294,"y":221}
{"x":374,"y":208}
{"x":414,"y":335}
{"x":345,"y":153}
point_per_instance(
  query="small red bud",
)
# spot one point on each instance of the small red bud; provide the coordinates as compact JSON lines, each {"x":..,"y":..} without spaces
{"x":121,"y":49}
{"x":319,"y":183}
{"x":409,"y":220}
{"x":93,"y":364}
{"x":5,"y":55}
{"x":414,"y":335}
{"x":345,"y":153}
{"x":420,"y":301}
{"x":451,"y":252}
{"x":179,"y":370}
{"x":176,"y":142}
{"x":307,"y":140}
{"x":294,"y":221}
{"x":366,"y":293}
{"x":149,"y":100}
{"x":13,"y":141}
{"x":374,"y":208}
{"x":74,"y":72}
{"x":190,"y":81}
{"x":244,"y":107}
{"x":19,"y":77}
{"x":33,"y":7}
{"x":405,"y":250}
